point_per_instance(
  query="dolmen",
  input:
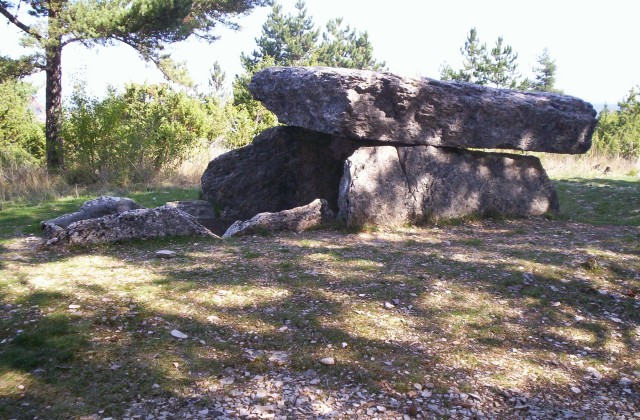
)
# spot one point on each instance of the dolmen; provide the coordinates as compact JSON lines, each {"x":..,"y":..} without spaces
{"x":386,"y":150}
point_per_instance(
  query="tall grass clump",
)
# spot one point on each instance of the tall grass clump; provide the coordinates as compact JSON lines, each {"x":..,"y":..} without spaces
{"x":24,"y":179}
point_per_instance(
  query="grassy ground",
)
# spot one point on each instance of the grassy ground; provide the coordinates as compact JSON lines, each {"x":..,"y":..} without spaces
{"x":487,"y":308}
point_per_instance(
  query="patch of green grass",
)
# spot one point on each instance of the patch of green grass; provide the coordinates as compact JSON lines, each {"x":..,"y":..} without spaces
{"x":474,"y":242}
{"x":251,"y":254}
{"x":52,"y":342}
{"x":600,"y":201}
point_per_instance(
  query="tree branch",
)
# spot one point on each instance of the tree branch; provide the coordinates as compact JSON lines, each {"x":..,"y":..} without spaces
{"x":71,"y":40}
{"x":14,"y":19}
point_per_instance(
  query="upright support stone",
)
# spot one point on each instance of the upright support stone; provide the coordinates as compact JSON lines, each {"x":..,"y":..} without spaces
{"x":377,"y":106}
{"x":284,"y":168}
{"x":391,"y":186}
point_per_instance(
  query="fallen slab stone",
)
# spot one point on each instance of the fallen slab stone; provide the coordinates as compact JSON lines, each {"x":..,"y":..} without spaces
{"x":133,"y":224}
{"x":370,"y":105}
{"x":283,"y":168}
{"x":98,"y":207}
{"x":313,"y":215}
{"x":393,"y":186}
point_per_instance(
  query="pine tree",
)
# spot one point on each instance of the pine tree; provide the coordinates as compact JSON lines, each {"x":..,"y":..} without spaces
{"x":289,"y":40}
{"x":502,"y":67}
{"x":344,"y":47}
{"x":475,"y":62}
{"x":545,"y":79}
{"x":496,"y":67}
{"x":293,"y":40}
{"x":145,"y":25}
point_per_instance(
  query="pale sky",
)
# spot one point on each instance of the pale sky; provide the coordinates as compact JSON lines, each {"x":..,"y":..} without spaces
{"x":595,"y":44}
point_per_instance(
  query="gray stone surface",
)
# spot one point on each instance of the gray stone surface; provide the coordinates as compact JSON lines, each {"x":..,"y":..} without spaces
{"x":384,"y":107}
{"x":313,"y":215}
{"x":284,"y":167}
{"x":98,"y":207}
{"x":133,"y":224}
{"x":392,"y":186}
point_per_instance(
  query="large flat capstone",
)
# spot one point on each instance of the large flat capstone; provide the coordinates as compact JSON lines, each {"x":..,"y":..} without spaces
{"x":393,"y":186}
{"x":283,"y":168}
{"x":378,"y":106}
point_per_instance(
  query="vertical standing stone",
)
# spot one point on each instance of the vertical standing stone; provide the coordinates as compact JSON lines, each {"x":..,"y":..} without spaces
{"x":392,"y":186}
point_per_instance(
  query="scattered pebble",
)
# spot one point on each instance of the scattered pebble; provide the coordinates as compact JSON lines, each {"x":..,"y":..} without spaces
{"x":576,"y":390}
{"x":328,"y":361}
{"x":389,"y":305}
{"x":227,"y":381}
{"x":166,"y":254}
{"x":179,"y":334}
{"x":594,"y":373}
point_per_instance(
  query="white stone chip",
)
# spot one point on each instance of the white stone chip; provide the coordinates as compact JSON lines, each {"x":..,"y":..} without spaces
{"x":179,"y":334}
{"x":165,"y":253}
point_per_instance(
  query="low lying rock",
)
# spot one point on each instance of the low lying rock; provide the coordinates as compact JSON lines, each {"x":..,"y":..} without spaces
{"x":158,"y":222}
{"x":392,"y":186}
{"x":378,"y":106}
{"x":98,"y":207}
{"x":284,"y":168}
{"x":313,"y":215}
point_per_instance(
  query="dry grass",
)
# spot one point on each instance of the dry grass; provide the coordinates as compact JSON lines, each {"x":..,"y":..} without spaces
{"x":31,"y":182}
{"x":189,"y":171}
{"x":588,"y":166}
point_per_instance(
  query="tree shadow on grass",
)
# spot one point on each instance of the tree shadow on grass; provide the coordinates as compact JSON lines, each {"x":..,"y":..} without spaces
{"x":470,"y":306}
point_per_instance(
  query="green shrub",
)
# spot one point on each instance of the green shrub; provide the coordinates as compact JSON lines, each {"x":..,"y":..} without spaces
{"x":618,"y":132}
{"x":130,"y":137}
{"x":21,"y":135}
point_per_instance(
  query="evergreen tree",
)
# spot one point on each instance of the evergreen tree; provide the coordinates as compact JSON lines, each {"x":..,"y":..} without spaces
{"x":344,"y":47}
{"x":145,"y":25}
{"x":618,"y":132}
{"x":475,"y":62}
{"x":496,"y":67}
{"x":217,"y":78}
{"x":545,"y":74}
{"x":502,"y":67}
{"x":290,"y":40}
{"x":293,"y":40}
{"x":21,"y":135}
{"x":11,"y":69}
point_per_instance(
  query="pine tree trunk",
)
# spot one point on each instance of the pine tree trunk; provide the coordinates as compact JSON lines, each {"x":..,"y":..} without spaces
{"x":54,"y":141}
